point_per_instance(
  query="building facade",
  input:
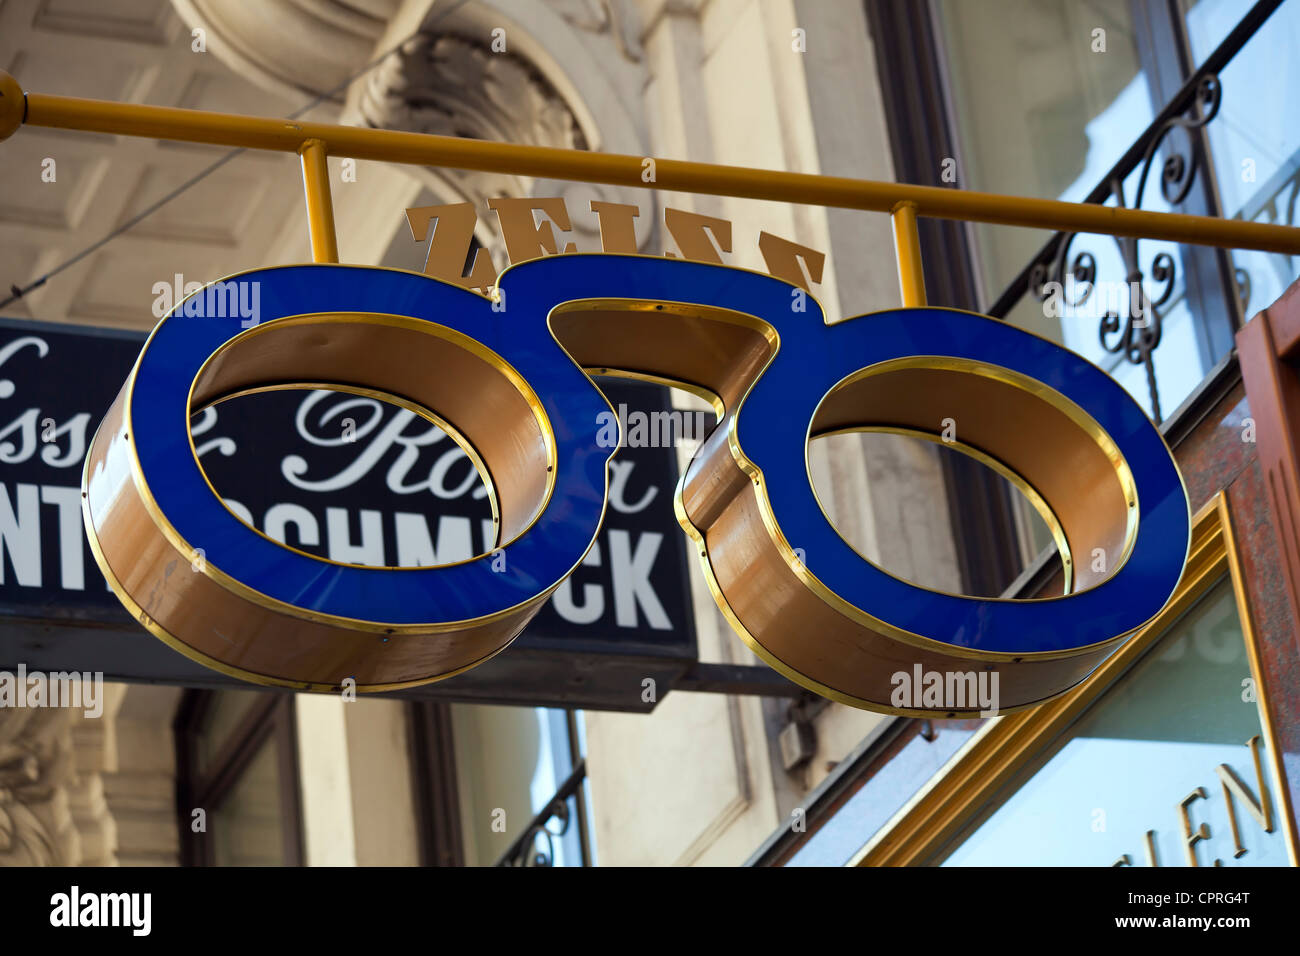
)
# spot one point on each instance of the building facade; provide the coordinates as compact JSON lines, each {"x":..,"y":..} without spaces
{"x":1182,"y":748}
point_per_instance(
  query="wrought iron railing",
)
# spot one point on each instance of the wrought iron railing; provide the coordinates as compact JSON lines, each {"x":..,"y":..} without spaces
{"x":1274,"y":202}
{"x":1135,"y":333}
{"x":564,"y":810}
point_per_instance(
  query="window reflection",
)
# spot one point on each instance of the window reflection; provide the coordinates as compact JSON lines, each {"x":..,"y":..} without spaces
{"x":1255,"y":139}
{"x":511,"y":761}
{"x":237,"y":779}
{"x":225,"y":711}
{"x":1150,"y":742}
{"x":1039,"y":113}
{"x":882,"y":795}
{"x":247,"y":825}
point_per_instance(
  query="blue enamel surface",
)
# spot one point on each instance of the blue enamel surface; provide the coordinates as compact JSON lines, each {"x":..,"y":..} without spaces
{"x":771,"y":428}
{"x":534,"y":562}
{"x":772,"y":425}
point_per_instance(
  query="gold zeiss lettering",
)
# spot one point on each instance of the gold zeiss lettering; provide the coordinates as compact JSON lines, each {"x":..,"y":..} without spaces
{"x":1202,"y":833}
{"x":690,"y":230}
{"x":1261,"y":811}
{"x":617,"y":233}
{"x":1150,"y":839}
{"x":453,"y":234}
{"x":525,"y":237}
{"x":699,"y":238}
{"x":787,"y":260}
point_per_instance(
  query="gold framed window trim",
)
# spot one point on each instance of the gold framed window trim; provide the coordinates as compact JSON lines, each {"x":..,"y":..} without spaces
{"x":1002,"y":751}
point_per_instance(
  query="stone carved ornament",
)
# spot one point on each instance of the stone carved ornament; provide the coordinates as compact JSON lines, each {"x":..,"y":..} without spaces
{"x":617,"y":17}
{"x":36,"y":766}
{"x":450,"y":85}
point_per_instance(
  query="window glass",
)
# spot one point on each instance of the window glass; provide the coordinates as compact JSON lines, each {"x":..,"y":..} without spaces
{"x":1152,"y":759}
{"x":926,"y":518}
{"x":247,"y":829}
{"x":1255,"y":139}
{"x":1039,"y":112}
{"x":1182,"y":357}
{"x":836,"y":841}
{"x":235,"y":763}
{"x":510,"y":763}
{"x":225,"y":711}
{"x":1047,"y":96}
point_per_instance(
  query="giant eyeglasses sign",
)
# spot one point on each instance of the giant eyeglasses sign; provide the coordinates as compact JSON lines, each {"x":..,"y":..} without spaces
{"x":351,"y":478}
{"x":510,"y":372}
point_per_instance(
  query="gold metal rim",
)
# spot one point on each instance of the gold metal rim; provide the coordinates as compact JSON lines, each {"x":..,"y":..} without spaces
{"x":845,"y":608}
{"x":692,"y":388}
{"x":423,"y":326}
{"x":853,"y":613}
{"x":1047,"y":395}
{"x":798,"y":677}
{"x":265,"y":680}
{"x":1031,"y":494}
{"x":232,"y":584}
{"x":763,"y":505}
{"x":451,"y":431}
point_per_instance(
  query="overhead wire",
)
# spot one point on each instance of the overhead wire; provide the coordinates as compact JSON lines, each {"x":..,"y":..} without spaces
{"x":17,"y":291}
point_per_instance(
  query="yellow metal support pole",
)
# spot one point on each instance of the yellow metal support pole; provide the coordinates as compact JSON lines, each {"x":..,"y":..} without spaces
{"x":907,"y":246}
{"x":223,"y":129}
{"x":320,"y":208}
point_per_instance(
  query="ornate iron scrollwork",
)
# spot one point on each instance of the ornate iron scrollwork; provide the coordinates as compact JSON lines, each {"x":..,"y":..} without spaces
{"x":527,"y":851}
{"x":1276,"y":202}
{"x":1135,"y":331}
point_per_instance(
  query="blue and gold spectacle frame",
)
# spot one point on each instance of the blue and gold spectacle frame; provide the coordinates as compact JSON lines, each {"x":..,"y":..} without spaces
{"x":511,"y":374}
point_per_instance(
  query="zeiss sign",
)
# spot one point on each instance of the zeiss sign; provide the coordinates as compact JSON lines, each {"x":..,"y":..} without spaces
{"x":512,"y":372}
{"x":350,"y":479}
